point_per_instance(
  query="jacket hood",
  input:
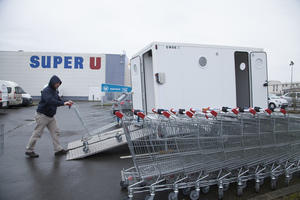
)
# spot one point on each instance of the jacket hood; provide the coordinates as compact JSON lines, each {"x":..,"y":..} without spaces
{"x":54,"y":79}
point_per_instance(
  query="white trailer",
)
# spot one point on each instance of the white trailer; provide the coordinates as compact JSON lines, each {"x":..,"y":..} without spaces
{"x":170,"y":75}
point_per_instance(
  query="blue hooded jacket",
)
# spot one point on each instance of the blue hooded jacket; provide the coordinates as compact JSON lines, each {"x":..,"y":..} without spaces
{"x":50,"y":99}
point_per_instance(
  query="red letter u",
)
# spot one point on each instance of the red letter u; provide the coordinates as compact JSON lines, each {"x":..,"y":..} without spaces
{"x":98,"y":63}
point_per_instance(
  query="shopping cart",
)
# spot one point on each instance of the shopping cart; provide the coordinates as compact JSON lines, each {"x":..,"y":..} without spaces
{"x":218,"y":147}
{"x":91,"y":118}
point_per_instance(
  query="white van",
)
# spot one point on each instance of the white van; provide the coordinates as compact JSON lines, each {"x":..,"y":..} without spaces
{"x":3,"y":96}
{"x":14,"y":92}
{"x":26,"y":98}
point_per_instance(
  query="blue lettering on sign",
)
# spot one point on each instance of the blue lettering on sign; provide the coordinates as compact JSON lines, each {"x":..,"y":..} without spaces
{"x":34,"y":62}
{"x":78,"y":63}
{"x":67,"y":62}
{"x":44,"y":60}
{"x":56,"y":60}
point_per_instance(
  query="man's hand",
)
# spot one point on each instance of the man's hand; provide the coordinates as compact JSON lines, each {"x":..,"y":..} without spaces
{"x":68,"y":103}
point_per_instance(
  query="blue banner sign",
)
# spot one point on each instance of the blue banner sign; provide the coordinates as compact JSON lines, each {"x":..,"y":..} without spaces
{"x":115,"y":88}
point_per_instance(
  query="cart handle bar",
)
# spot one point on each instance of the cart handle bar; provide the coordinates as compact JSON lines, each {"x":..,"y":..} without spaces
{"x":141,"y":115}
{"x":119,"y":114}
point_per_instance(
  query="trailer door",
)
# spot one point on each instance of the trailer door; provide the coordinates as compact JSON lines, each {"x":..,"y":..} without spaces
{"x":137,"y":83}
{"x":242,"y":78}
{"x":259,"y":74}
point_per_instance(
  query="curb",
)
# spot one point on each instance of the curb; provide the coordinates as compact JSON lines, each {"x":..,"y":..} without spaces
{"x":278,"y":193}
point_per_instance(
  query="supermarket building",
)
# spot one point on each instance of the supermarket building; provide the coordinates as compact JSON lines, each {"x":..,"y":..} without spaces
{"x":82,"y":74}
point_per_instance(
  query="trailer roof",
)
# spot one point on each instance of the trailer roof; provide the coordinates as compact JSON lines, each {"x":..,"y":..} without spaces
{"x":145,"y":49}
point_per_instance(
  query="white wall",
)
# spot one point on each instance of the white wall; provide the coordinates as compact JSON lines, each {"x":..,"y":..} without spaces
{"x":29,"y":73}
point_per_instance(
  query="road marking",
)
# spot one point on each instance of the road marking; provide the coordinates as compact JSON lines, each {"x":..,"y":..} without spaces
{"x":31,"y":122}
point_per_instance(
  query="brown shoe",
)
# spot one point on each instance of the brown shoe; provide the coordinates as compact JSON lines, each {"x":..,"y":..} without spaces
{"x":61,"y":152}
{"x":32,"y":154}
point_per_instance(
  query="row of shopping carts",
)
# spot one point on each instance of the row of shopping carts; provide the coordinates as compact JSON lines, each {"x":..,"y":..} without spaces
{"x":195,"y":149}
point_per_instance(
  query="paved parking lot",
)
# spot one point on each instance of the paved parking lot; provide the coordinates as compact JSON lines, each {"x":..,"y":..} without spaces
{"x":52,"y":177}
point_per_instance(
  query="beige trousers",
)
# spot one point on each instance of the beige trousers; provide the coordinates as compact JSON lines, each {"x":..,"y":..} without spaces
{"x":43,"y":121}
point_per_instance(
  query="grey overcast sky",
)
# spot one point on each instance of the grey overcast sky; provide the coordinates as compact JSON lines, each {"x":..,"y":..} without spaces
{"x":101,"y":26}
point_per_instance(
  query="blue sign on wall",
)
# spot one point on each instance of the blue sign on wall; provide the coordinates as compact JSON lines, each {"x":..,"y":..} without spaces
{"x":115,"y":88}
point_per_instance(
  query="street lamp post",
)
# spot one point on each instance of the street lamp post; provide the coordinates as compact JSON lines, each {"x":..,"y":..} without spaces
{"x":292,"y":64}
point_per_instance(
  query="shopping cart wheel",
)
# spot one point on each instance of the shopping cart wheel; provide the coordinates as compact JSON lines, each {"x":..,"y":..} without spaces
{"x":240,"y":190}
{"x":118,"y":136}
{"x":287,"y":181}
{"x":85,"y":149}
{"x":194,"y":195}
{"x":149,"y":197}
{"x":226,"y":186}
{"x":123,"y":184}
{"x":186,"y":191}
{"x":172,"y":196}
{"x":244,"y":184}
{"x":257,"y":186}
{"x":205,"y":189}
{"x":221,"y":193}
{"x":273,"y":184}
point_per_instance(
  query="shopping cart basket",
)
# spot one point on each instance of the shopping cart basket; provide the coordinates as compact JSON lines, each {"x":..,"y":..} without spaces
{"x":183,"y":153}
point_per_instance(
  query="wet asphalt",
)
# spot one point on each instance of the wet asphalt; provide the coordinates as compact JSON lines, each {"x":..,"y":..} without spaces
{"x":94,"y":177}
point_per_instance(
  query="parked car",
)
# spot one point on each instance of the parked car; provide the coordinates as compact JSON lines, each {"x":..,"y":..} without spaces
{"x":291,"y":97}
{"x":3,"y":96}
{"x":276,"y":102}
{"x":27,"y":99}
{"x":14,"y":92}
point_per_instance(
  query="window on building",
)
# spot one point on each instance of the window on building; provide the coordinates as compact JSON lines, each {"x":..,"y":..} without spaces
{"x":273,"y":88}
{"x":276,"y":87}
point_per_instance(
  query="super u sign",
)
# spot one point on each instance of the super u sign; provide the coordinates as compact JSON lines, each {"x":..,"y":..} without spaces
{"x":65,"y":62}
